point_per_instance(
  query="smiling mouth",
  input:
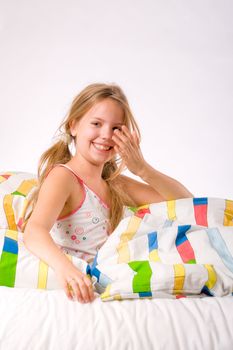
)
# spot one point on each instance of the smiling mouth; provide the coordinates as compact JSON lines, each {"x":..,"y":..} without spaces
{"x":102,"y":147}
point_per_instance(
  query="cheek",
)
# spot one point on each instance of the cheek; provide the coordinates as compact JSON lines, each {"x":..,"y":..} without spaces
{"x":86,"y":136}
{"x":90,"y":134}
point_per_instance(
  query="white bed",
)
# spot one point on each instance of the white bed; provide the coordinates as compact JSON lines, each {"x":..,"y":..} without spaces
{"x":34,"y":319}
{"x":194,"y":239}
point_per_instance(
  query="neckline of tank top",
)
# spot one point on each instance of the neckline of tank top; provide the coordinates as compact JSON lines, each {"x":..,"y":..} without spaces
{"x":100,"y":199}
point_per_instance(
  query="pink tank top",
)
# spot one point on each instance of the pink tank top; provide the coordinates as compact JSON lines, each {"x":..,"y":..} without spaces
{"x":85,"y":229}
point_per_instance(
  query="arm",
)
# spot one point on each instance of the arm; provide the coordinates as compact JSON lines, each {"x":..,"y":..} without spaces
{"x":53,"y":194}
{"x":140,"y":192}
{"x":167,"y":187}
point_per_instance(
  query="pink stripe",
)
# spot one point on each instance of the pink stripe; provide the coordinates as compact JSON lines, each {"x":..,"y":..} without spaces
{"x":83,"y":189}
{"x":186,"y":251}
{"x":179,"y":296}
{"x":104,"y":204}
{"x":201,"y":214}
{"x":75,"y":210}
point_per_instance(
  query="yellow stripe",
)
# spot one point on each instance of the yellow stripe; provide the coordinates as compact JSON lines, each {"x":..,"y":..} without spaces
{"x":154,"y":256}
{"x":2,"y":179}
{"x":42,"y":275}
{"x":171,"y":210}
{"x":145,"y":206}
{"x":179,"y":277}
{"x":117,"y":297}
{"x":212,"y":277}
{"x":7,"y":205}
{"x":228,"y":213}
{"x":133,"y":226}
{"x":26,"y":186}
{"x":12,"y":234}
{"x":106,"y":293}
{"x":25,"y":203}
{"x":123,"y":247}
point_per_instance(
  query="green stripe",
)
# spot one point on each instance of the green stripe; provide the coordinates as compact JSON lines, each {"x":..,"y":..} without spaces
{"x":192,"y":261}
{"x":133,"y":209}
{"x":17,"y":193}
{"x":141,"y":281}
{"x":8,"y":265}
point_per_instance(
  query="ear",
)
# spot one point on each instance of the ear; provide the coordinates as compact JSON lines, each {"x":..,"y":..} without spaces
{"x":73,"y":127}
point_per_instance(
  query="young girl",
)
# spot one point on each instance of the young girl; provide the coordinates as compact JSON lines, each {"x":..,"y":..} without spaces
{"x":81,"y":198}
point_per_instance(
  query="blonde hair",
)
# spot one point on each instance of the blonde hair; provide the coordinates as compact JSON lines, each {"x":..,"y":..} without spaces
{"x":59,"y":152}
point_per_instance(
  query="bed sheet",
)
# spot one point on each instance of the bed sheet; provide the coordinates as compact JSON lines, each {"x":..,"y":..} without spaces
{"x":47,"y":320}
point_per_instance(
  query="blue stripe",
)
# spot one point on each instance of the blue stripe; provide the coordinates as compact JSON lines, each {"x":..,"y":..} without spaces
{"x":94,"y":264}
{"x":95,"y":272}
{"x":206,"y":291}
{"x":10,"y":245}
{"x":104,"y":280}
{"x":88,"y":270}
{"x":152,"y":241}
{"x":198,"y":201}
{"x":145,"y":294}
{"x":181,"y":235}
{"x":220,"y":246}
{"x":168,"y":223}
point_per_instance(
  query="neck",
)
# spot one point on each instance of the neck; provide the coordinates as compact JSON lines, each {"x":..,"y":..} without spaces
{"x":87,"y":171}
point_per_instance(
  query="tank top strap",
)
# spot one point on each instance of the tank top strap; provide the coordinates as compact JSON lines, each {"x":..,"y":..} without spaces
{"x":84,"y":185}
{"x":67,"y":167}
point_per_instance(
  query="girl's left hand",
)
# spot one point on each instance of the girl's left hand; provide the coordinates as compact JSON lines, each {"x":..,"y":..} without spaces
{"x":127,"y":146}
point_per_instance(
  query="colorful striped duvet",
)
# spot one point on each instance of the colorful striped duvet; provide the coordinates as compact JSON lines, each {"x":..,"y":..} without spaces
{"x":172,"y":249}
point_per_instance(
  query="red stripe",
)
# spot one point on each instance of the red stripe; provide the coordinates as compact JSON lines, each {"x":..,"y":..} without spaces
{"x":201,"y":214}
{"x":186,"y":251}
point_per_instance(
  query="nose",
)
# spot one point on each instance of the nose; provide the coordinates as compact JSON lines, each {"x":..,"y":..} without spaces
{"x":106,"y":133}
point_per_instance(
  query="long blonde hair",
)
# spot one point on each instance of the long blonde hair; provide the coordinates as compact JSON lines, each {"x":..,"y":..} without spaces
{"x":60,"y":152}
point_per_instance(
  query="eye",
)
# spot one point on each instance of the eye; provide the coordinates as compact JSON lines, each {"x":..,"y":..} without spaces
{"x":95,"y":123}
{"x":117,"y":127}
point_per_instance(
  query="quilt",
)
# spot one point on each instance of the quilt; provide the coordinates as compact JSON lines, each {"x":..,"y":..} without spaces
{"x":172,"y":249}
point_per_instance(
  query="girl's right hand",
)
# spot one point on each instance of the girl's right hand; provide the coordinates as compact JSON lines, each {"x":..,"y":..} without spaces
{"x":76,"y":284}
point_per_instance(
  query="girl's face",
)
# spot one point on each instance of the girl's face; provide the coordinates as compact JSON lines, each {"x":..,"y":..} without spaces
{"x":95,"y":130}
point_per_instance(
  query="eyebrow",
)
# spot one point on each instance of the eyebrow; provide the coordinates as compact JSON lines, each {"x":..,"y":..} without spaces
{"x":104,"y":120}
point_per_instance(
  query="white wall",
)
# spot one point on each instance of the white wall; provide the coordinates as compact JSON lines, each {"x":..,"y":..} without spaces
{"x":173,"y":59}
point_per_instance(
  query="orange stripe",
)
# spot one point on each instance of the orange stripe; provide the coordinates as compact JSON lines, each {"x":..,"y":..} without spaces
{"x":123,"y":247}
{"x":179,"y":277}
{"x":9,"y":212}
{"x":228,"y":213}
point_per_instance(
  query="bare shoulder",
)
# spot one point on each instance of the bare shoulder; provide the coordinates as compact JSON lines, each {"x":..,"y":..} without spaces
{"x":59,"y":180}
{"x":140,"y":192}
{"x":62,"y":175}
{"x":55,"y":191}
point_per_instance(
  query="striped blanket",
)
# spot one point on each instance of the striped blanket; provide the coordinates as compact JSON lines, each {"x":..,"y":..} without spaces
{"x":173,"y":249}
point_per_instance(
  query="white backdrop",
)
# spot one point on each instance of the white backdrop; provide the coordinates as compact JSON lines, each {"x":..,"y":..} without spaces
{"x":173,"y":59}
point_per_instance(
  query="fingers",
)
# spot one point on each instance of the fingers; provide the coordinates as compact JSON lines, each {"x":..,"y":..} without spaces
{"x":126,"y":131}
{"x":136,"y":137}
{"x":90,"y":290}
{"x":81,"y":289}
{"x":75,"y":290}
{"x":68,"y":291}
{"x":122,"y":142}
{"x":119,"y":139}
{"x":125,"y":139}
{"x":121,"y":136}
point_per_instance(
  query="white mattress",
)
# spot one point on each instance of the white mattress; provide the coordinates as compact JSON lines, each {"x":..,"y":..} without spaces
{"x":44,"y":320}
